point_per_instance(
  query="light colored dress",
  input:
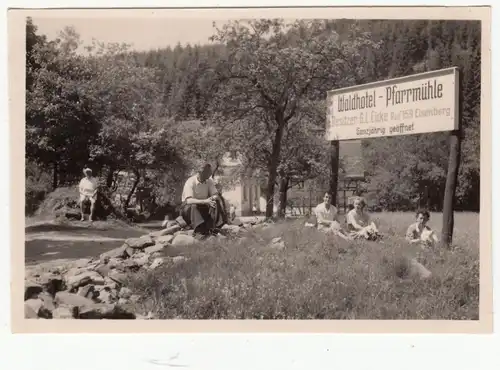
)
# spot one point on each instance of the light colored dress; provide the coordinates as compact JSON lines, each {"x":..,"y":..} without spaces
{"x":360,"y":225}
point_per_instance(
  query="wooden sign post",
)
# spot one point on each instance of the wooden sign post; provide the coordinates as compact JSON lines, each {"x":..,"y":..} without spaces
{"x":450,"y":188}
{"x":334,"y":168}
{"x":415,"y":104}
{"x":453,"y":167}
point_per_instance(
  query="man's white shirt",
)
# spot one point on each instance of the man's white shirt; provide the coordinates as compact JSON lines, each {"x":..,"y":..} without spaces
{"x":193,"y":188}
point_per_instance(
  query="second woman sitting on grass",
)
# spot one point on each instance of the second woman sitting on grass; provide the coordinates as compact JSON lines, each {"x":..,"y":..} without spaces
{"x":359,"y":224}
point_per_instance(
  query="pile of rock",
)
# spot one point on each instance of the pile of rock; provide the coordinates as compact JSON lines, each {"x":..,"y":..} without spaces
{"x":95,"y":288}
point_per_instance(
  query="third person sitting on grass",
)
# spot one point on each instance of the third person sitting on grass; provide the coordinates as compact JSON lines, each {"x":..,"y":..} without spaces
{"x":419,"y":232}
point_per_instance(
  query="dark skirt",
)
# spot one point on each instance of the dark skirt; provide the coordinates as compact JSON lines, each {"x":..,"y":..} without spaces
{"x":202,"y":218}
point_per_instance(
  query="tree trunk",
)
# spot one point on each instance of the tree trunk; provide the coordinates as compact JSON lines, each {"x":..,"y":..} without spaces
{"x":334,"y":167}
{"x":450,"y":189}
{"x":273,"y":168}
{"x":55,"y":174}
{"x":131,"y":192}
{"x":454,"y":158}
{"x":428,"y":198}
{"x":217,"y":165}
{"x":283,"y":190}
{"x":110,"y":178}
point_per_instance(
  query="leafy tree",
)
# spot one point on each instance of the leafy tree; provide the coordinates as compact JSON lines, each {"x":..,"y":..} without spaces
{"x":272,"y":67}
{"x":410,"y":171}
{"x":60,"y":125}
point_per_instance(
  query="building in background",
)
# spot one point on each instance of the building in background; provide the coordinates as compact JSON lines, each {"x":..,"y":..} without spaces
{"x":241,"y":188}
{"x":304,"y":196}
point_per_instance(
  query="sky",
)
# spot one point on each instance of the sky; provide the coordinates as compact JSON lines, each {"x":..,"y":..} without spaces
{"x":143,"y":34}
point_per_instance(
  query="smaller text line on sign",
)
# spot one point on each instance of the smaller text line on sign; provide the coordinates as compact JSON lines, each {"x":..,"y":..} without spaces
{"x":420,"y":103}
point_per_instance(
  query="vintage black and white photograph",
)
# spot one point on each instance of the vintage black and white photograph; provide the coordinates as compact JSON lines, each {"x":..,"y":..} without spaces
{"x":268,"y":168}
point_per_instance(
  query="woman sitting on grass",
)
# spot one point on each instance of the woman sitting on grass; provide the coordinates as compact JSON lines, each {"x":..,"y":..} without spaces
{"x":359,"y":223}
{"x":419,"y":232}
{"x":326,"y":217}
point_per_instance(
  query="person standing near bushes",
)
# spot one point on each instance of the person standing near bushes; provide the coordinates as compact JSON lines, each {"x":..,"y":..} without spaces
{"x":88,"y":193}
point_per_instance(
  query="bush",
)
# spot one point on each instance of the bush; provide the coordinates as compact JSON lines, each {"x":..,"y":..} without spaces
{"x":38,"y":185}
{"x":64,"y":202}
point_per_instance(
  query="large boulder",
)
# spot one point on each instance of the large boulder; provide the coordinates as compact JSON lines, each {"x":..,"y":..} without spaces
{"x":31,"y":289}
{"x":80,"y":263}
{"x":140,"y":243}
{"x":48,"y":301}
{"x":125,"y":293}
{"x":103,"y":270}
{"x":157,"y":263}
{"x":418,"y":270}
{"x":232,"y":228}
{"x":183,"y":240}
{"x":155,"y":248}
{"x":141,"y":259}
{"x":118,"y":277}
{"x":29,"y":311}
{"x":65,"y":312}
{"x":71,"y":299}
{"x":165,"y":239}
{"x":114,"y":253}
{"x":84,"y":278}
{"x":51,"y":282}
{"x":107,"y":296}
{"x":170,"y":230}
{"x":35,"y":308}
{"x":108,"y":311}
{"x":87,"y":291}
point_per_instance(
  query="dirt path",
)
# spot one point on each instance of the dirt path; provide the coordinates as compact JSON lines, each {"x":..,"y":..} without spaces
{"x":49,"y":241}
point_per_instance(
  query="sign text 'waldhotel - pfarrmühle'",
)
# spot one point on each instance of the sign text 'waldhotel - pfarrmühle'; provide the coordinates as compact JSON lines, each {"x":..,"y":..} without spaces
{"x":414,"y":104}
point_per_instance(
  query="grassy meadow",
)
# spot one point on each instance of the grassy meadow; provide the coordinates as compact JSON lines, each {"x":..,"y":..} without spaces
{"x":318,"y":277}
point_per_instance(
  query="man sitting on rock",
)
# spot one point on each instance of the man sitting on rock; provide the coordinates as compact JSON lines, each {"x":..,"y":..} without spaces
{"x":88,"y":193}
{"x":202,"y":208}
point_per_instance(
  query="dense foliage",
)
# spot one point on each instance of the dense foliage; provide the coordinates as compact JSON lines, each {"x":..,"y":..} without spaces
{"x":256,"y":87}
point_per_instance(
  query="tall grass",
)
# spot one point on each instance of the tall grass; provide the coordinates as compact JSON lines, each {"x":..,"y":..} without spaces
{"x":318,"y":277}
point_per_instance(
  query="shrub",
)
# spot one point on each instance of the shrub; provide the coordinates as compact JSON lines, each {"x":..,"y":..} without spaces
{"x":38,"y":185}
{"x":64,"y":202}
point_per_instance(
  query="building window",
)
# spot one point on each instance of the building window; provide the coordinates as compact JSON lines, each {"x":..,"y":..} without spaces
{"x":245,"y":196}
{"x":233,"y":155}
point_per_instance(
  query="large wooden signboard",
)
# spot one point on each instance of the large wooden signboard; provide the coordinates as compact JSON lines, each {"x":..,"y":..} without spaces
{"x":420,"y":103}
